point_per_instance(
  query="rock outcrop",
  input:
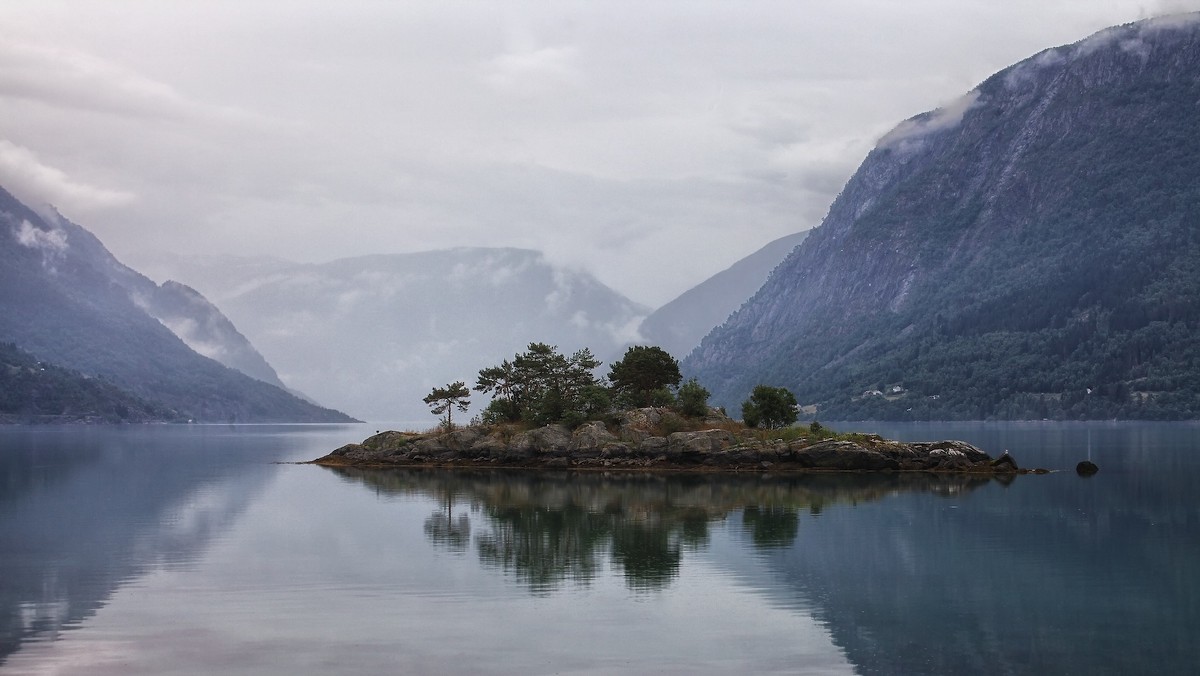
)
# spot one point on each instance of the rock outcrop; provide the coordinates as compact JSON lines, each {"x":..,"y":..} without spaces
{"x":643,"y":439}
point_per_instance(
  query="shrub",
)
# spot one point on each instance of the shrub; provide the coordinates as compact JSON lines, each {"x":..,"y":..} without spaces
{"x":771,"y":407}
{"x":693,"y":399}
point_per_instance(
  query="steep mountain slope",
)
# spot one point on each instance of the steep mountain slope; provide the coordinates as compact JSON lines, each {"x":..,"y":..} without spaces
{"x":201,"y":325}
{"x":1031,"y":250}
{"x":679,"y":325}
{"x":65,"y":299}
{"x":372,"y":335}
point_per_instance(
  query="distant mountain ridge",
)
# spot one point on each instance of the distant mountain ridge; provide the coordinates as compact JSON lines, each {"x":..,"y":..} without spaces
{"x":65,"y":299}
{"x":373,"y":334}
{"x":680,"y":325}
{"x":1029,"y":251}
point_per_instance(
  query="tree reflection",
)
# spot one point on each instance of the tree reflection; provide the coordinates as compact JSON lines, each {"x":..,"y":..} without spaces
{"x":771,"y":527}
{"x":444,"y":529}
{"x":648,"y":553}
{"x":544,"y":546}
{"x":547,"y":529}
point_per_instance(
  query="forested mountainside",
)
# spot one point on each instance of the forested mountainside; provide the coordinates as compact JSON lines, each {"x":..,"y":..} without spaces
{"x":37,"y":392}
{"x":1029,"y":251}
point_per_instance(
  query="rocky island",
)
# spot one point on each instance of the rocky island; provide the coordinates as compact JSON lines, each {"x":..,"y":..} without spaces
{"x":659,"y":439}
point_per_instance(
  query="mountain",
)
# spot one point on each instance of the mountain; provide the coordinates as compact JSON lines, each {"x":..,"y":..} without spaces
{"x":1031,"y":250}
{"x":66,"y":300}
{"x":374,"y":334}
{"x":201,"y":325}
{"x":679,"y":326}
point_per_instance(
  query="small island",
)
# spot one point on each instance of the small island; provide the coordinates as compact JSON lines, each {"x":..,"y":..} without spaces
{"x":549,"y":412}
{"x":651,"y":439}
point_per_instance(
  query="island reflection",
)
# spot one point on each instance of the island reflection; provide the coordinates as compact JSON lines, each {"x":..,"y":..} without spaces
{"x":550,"y":528}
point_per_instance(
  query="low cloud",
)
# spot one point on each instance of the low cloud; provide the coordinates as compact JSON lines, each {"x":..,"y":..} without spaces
{"x":27,"y":177}
{"x":1131,"y":37}
{"x":47,"y":241}
{"x":948,"y":116}
{"x":1166,"y":7}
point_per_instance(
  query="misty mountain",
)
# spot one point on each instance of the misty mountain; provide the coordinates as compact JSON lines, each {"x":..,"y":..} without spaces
{"x":374,"y":334}
{"x":201,"y":325}
{"x":680,"y":325}
{"x":66,"y":300}
{"x":1029,"y":251}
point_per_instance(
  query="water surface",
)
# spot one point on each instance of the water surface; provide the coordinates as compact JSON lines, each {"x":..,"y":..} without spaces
{"x":163,"y":549}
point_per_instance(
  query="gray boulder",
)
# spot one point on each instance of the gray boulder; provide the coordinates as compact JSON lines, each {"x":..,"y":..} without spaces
{"x":592,"y":436}
{"x":844,"y":455}
{"x":701,"y":442}
{"x":543,"y":439}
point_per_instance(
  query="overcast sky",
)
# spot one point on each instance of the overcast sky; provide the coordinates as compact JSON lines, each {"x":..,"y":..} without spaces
{"x":651,"y":142}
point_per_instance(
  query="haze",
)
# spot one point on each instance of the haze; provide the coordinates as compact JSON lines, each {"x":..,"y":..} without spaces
{"x":652,"y":144}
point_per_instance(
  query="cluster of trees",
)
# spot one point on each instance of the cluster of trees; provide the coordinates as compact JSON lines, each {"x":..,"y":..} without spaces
{"x":542,"y":386}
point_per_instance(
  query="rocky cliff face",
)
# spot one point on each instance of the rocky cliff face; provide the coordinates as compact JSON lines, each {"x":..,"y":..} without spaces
{"x":1027,"y":251}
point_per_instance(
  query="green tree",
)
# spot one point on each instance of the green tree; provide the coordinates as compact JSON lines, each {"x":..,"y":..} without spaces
{"x":693,"y":399}
{"x":446,"y":399}
{"x":542,"y":386}
{"x":643,"y":374}
{"x":504,"y":381}
{"x":771,"y":407}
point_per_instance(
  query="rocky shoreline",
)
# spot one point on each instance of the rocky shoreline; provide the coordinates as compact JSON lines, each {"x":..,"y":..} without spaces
{"x":642,"y":440}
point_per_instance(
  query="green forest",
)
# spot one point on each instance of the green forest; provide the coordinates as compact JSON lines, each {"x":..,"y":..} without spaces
{"x":34,"y":391}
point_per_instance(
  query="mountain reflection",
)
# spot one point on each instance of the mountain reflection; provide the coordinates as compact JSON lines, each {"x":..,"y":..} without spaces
{"x":547,"y":529}
{"x":86,"y":510}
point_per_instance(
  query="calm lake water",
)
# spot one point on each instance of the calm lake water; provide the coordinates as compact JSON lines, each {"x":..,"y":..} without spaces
{"x":186,"y":550}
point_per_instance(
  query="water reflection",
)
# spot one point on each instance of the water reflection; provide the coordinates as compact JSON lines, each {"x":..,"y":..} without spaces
{"x":772,"y":527}
{"x":446,"y":530}
{"x":85,"y":510}
{"x":547,"y":529}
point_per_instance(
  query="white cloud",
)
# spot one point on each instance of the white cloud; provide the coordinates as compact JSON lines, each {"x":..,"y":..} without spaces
{"x":1169,"y":7}
{"x":34,"y":182}
{"x":941,"y":119}
{"x":48,"y":241}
